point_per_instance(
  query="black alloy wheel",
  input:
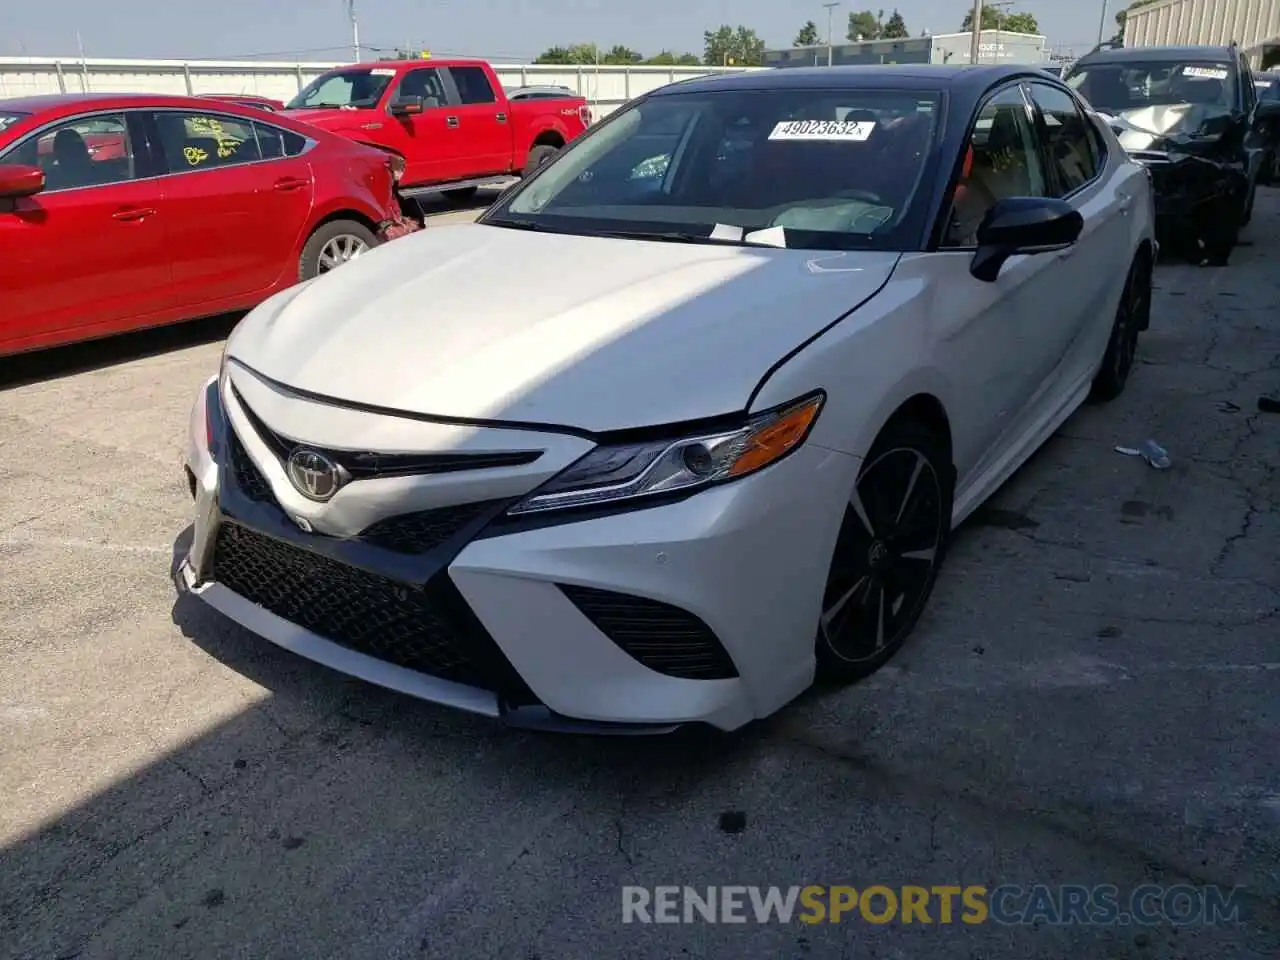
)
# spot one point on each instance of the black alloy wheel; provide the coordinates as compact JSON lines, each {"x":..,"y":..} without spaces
{"x":891,"y":544}
{"x":1131,"y":319}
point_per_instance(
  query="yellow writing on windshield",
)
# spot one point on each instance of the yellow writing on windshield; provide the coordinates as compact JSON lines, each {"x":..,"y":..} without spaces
{"x":194,"y":155}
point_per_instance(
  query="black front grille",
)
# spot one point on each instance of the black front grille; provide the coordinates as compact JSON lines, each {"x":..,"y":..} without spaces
{"x":248,"y":477}
{"x":428,"y":629}
{"x":426,"y":529}
{"x":664,"y":638}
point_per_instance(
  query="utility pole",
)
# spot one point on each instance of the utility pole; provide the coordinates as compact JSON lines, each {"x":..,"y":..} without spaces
{"x":974,"y":48}
{"x":831,"y":9}
{"x":355,"y":30}
{"x":1102,"y":23}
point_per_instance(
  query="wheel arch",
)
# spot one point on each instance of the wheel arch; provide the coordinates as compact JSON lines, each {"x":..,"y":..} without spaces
{"x":548,"y":138}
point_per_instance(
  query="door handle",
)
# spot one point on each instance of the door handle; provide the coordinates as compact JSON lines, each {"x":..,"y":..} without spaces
{"x":133,"y":213}
{"x":501,"y":118}
{"x":451,"y":121}
{"x":291,"y":183}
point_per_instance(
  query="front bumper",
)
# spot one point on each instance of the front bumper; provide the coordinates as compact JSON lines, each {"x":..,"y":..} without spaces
{"x":698,"y":611}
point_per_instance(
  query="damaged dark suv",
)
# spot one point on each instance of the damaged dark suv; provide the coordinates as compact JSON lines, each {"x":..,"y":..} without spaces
{"x":1191,"y":115}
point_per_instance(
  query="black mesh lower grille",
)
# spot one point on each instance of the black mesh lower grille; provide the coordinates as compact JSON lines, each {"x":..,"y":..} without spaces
{"x":248,"y":477}
{"x":664,"y":638}
{"x":428,"y":629}
{"x":422,"y":531}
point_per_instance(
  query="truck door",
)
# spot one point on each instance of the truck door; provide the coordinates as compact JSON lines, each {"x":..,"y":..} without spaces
{"x":426,"y":140}
{"x":483,"y":120}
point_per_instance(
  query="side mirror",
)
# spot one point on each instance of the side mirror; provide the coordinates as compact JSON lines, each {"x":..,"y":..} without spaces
{"x":1023,"y":225}
{"x":407,"y":106}
{"x":19,"y":180}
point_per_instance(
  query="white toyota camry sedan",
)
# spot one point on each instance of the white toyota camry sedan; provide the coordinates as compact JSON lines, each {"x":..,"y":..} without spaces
{"x":686,"y":419}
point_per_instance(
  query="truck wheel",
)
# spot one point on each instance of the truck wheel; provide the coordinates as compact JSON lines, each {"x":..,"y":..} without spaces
{"x":461,"y":195}
{"x":538,"y":156}
{"x":332,"y":245}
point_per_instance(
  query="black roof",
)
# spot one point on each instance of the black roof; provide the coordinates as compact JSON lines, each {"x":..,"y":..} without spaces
{"x":964,"y":80}
{"x":1206,"y":54}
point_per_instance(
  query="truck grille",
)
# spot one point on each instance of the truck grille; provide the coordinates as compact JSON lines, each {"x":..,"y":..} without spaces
{"x":664,"y":638}
{"x":428,"y":629}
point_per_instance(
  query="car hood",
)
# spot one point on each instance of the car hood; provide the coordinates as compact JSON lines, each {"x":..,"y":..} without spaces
{"x":335,"y":120}
{"x":1178,"y":126}
{"x":598,"y":334}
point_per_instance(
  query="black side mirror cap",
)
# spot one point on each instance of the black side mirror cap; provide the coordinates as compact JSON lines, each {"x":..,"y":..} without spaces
{"x":407,"y":106}
{"x":1023,"y":225}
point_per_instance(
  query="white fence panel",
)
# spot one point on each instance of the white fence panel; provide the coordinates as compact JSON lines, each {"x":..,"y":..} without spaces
{"x":605,"y":87}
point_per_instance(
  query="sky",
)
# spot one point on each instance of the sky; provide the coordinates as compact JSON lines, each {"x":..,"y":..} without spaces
{"x":501,"y":30}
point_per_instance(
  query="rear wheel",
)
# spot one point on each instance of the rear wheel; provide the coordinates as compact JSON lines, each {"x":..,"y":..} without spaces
{"x":332,"y":245}
{"x":893,"y":537}
{"x":1132,"y":316}
{"x":539,"y":155}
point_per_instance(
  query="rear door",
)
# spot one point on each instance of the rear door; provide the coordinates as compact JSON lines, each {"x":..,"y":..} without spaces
{"x":1094,"y":268}
{"x":240,"y":193}
{"x":428,"y":143}
{"x":483,"y":121}
{"x":88,"y":255}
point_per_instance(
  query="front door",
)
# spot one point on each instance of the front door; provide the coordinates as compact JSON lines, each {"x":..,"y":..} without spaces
{"x":427,"y":140}
{"x":89,"y":254}
{"x":999,"y":338}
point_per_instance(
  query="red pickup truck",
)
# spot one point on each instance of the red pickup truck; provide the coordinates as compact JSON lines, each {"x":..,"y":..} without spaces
{"x":450,"y":121}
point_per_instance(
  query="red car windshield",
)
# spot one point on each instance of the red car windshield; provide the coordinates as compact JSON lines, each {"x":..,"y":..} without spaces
{"x":357,"y":88}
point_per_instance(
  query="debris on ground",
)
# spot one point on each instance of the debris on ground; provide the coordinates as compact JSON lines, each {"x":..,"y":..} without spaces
{"x":1151,"y":452}
{"x":1226,"y":406}
{"x":1269,"y":403}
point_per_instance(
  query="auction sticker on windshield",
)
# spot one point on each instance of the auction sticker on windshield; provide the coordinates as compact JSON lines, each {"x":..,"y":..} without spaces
{"x":1205,"y":73}
{"x":382,"y":72}
{"x":856,"y":130}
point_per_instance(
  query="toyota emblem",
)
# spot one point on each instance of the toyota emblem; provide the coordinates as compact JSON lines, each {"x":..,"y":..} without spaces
{"x":314,"y":475}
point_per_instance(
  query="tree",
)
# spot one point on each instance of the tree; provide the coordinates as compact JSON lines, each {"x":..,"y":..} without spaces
{"x":730,"y":46}
{"x":808,"y":35}
{"x":895,"y":28}
{"x":1123,"y":16}
{"x":993,"y":19}
{"x":668,"y":59}
{"x":577,"y":54}
{"x":621,"y":56}
{"x":864,"y":25}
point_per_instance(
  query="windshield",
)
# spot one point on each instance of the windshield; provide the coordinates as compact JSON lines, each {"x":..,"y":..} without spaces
{"x":1118,"y":87}
{"x":815,"y":169}
{"x":8,"y":118}
{"x":356,"y":88}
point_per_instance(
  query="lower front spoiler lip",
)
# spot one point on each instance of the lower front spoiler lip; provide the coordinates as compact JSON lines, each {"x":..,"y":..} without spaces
{"x":533,"y":717}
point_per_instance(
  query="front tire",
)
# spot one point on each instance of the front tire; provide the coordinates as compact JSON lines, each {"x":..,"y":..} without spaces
{"x":1132,"y":317}
{"x":332,"y":245}
{"x":892,"y":541}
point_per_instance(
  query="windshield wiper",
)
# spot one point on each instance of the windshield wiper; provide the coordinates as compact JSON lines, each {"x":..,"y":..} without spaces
{"x":519,"y":225}
{"x":677,"y":236}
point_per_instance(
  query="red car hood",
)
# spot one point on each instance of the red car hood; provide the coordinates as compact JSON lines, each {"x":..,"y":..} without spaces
{"x":334,"y":120}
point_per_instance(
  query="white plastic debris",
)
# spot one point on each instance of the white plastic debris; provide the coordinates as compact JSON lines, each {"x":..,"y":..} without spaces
{"x":1156,"y":455}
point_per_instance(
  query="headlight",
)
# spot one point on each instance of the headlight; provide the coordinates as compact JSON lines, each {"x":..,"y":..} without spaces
{"x":636,"y":470}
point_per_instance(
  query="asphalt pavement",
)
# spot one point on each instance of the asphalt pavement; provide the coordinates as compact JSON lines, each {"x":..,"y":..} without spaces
{"x":1092,"y":698}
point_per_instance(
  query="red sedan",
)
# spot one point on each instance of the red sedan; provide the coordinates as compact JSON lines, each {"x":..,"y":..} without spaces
{"x":123,"y":212}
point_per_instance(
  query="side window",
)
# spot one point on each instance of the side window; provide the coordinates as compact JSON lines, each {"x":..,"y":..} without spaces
{"x":473,"y":86}
{"x":89,"y":152}
{"x":275,"y":143}
{"x":1067,"y":139}
{"x":1000,"y":161}
{"x":199,"y":141}
{"x":425,"y":84}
